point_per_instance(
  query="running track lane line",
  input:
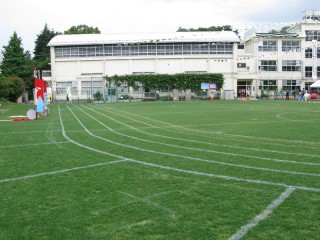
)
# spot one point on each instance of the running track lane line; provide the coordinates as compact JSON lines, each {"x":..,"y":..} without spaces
{"x":255,"y":221}
{"x":59,"y":171}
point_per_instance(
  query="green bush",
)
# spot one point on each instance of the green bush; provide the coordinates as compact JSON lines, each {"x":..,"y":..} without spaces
{"x":98,"y":96}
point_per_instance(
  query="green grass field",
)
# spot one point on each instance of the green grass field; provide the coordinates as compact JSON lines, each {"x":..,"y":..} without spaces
{"x":162,"y":170}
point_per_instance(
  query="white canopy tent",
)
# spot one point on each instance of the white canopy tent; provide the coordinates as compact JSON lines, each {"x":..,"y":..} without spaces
{"x":316,"y":84}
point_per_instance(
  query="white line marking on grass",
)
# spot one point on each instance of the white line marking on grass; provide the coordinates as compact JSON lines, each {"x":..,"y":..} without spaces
{"x":206,"y":143}
{"x":59,"y":171}
{"x":195,"y":172}
{"x":287,"y":119}
{"x":128,"y":227}
{"x":33,"y":144}
{"x":225,"y":177}
{"x":204,"y":136}
{"x":187,"y":157}
{"x":84,"y":146}
{"x":226,"y":134}
{"x":147,"y":201}
{"x":255,"y":221}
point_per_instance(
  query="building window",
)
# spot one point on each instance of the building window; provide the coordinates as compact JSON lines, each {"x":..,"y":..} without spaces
{"x":308,"y":52}
{"x":90,"y":87}
{"x":291,"y":66}
{"x":312,"y":35}
{"x":166,"y":89}
{"x":142,"y":73}
{"x":290,"y":45}
{"x":241,"y":65}
{"x":268,"y":46}
{"x":290,"y":84}
{"x":269,"y":85}
{"x":268,"y":65}
{"x":143,"y":49}
{"x":61,"y":88}
{"x":308,"y":71}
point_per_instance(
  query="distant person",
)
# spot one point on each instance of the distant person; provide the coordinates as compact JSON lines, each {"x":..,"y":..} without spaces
{"x":69,"y":98}
{"x":40,"y":107}
{"x":294,"y":92}
{"x":287,"y":94}
{"x":302,"y":94}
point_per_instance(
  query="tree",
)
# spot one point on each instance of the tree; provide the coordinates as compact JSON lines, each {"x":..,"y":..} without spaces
{"x":202,"y":29}
{"x":16,"y":86}
{"x":14,"y":58}
{"x":283,"y":30}
{"x":41,"y":50}
{"x":82,"y":29}
{"x":11,"y":88}
{"x":4,"y":88}
{"x":17,"y":63}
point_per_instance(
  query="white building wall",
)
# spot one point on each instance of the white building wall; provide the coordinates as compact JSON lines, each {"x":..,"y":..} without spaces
{"x":143,"y":66}
{"x":119,"y":67}
{"x":169,"y":66}
{"x":66,"y":71}
{"x":90,"y":67}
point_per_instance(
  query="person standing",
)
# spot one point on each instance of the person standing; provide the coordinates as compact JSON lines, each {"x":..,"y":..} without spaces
{"x":67,"y":98}
{"x":302,"y":94}
{"x":287,"y":94}
{"x":40,"y":107}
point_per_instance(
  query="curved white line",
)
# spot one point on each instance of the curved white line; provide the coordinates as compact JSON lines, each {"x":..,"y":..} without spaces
{"x":213,"y":144}
{"x":226,"y":134}
{"x":181,"y":156}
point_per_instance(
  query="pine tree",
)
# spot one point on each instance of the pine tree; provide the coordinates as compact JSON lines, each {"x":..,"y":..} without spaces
{"x":41,"y":50}
{"x":14,"y":59}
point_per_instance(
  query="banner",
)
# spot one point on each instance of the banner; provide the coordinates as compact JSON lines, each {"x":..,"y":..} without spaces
{"x":40,"y":87}
{"x":204,"y":86}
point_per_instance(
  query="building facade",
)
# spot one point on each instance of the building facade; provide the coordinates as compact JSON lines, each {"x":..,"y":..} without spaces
{"x":253,"y":66}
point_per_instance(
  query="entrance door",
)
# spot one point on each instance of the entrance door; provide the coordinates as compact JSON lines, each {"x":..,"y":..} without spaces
{"x":244,"y":89}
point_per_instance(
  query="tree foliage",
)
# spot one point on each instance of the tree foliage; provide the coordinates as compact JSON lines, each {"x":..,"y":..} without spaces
{"x":82,"y":29}
{"x":179,"y":81}
{"x":41,"y":50}
{"x":14,"y":59}
{"x":283,"y":30}
{"x":203,"y":29}
{"x":11,"y":88}
{"x":17,"y":63}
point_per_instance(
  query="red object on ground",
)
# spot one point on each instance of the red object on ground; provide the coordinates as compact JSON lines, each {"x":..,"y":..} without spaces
{"x":313,"y":96}
{"x":20,"y":119}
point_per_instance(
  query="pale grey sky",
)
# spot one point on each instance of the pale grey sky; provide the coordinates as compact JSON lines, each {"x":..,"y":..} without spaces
{"x":28,"y":18}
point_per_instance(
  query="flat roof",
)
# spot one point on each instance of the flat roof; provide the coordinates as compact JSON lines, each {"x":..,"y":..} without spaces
{"x":127,"y":38}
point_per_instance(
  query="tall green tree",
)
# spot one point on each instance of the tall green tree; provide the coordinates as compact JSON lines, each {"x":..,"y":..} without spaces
{"x":41,"y":50}
{"x":18,"y":64}
{"x":14,"y":61}
{"x":82,"y":29}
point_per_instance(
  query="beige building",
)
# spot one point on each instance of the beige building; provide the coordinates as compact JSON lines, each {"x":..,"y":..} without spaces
{"x":259,"y":63}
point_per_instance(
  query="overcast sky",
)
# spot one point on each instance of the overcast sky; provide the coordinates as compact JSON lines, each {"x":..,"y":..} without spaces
{"x":28,"y":18}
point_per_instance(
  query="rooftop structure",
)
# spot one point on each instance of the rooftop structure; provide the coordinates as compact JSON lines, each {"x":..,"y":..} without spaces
{"x":311,"y":16}
{"x":129,"y":38}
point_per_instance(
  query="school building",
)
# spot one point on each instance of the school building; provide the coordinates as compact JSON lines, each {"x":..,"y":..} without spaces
{"x":263,"y":60}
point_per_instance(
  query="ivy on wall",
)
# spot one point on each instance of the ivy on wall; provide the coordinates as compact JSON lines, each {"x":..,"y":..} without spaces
{"x":179,"y":81}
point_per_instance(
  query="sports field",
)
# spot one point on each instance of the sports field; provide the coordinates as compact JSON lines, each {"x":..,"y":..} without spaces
{"x":162,"y":170}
